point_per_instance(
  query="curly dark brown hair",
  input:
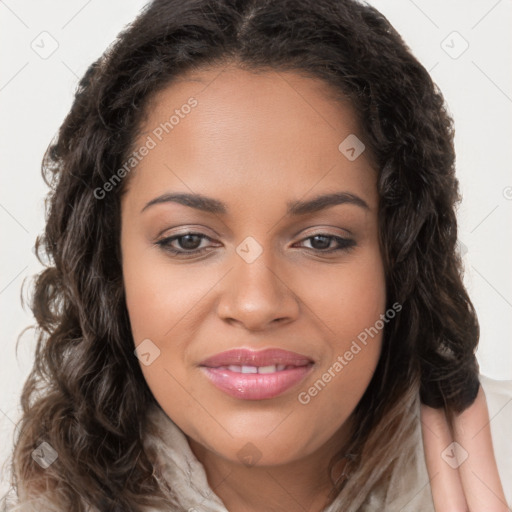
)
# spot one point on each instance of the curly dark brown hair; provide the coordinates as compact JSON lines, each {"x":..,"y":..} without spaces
{"x":86,"y":395}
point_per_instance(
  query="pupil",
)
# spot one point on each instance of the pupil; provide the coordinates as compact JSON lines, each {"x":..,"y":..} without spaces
{"x":188,"y":242}
{"x":324,"y":245}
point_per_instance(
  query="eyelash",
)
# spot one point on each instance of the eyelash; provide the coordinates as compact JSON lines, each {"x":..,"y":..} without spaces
{"x":345,"y":244}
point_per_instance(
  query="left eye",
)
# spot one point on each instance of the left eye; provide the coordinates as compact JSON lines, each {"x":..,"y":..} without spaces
{"x":323,"y":242}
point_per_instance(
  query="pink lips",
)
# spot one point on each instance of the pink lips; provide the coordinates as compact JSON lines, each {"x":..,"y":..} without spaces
{"x":256,"y":375}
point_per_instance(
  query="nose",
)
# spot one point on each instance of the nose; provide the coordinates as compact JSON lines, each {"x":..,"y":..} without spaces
{"x":256,"y":297}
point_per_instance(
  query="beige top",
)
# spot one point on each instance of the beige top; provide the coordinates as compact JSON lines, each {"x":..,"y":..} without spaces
{"x":408,"y":489}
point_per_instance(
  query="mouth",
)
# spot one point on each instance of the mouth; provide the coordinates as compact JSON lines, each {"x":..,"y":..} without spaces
{"x":261,"y":375}
{"x":247,"y":369}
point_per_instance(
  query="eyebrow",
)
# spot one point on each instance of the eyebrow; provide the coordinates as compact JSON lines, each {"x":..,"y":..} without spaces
{"x":295,"y":208}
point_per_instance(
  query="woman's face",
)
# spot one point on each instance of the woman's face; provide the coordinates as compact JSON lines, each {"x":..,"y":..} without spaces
{"x":269,"y":264}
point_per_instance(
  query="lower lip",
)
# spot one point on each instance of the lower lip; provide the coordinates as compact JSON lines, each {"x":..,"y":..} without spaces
{"x":255,"y":386}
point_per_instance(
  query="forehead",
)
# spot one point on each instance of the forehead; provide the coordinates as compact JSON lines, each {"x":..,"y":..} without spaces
{"x":219,"y":130}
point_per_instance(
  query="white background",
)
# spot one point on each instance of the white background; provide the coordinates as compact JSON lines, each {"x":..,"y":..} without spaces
{"x":36,"y":93}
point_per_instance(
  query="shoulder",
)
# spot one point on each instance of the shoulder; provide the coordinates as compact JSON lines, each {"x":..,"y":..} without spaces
{"x":11,"y":502}
{"x":498,"y":395}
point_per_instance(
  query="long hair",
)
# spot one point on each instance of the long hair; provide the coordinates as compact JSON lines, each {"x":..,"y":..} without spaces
{"x":86,"y":395}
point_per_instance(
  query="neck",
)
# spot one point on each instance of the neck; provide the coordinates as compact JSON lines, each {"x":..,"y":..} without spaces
{"x":302,"y":485}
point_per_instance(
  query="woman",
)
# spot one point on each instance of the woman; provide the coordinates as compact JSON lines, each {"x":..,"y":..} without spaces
{"x":254,"y":277}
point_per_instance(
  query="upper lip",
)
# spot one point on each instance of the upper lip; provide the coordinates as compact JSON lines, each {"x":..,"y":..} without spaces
{"x":267,"y":357}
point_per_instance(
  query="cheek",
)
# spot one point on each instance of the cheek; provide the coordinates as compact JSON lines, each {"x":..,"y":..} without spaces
{"x":347,"y":298}
{"x":160,"y":299}
{"x":351,"y":306}
{"x":159,"y":294}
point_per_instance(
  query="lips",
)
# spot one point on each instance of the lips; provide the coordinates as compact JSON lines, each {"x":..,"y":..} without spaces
{"x":262,"y":358}
{"x":256,"y":375}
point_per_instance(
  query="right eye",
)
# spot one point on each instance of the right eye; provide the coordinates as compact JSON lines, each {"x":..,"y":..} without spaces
{"x":188,"y":244}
